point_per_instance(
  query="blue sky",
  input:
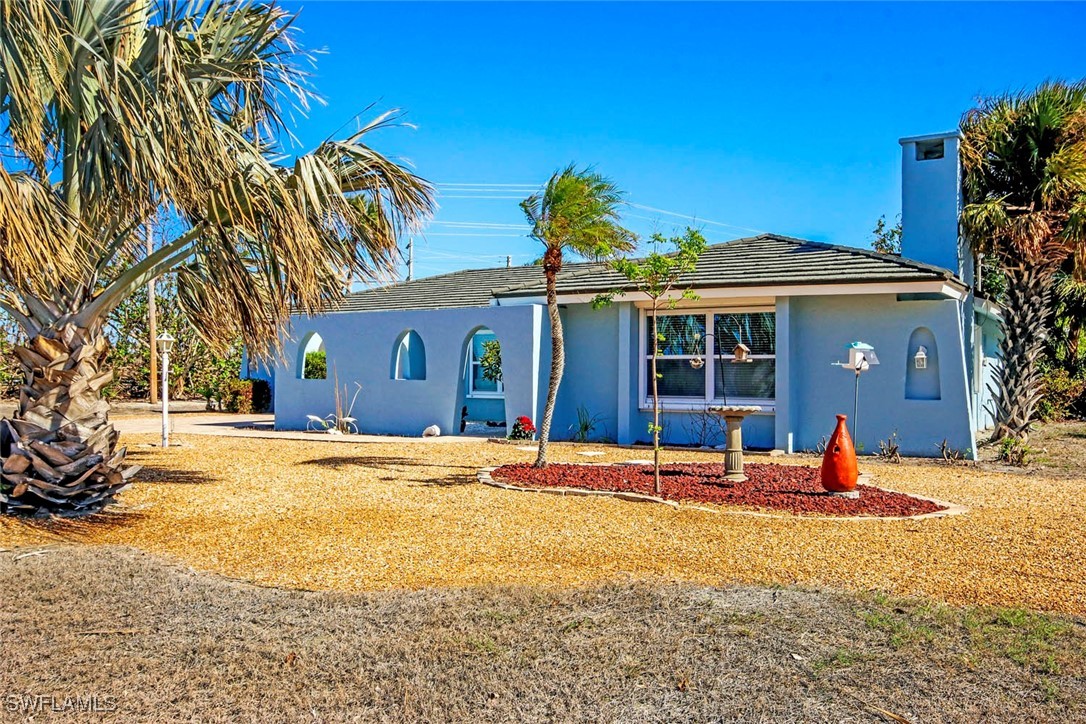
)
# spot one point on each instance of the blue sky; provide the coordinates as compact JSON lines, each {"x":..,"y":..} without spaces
{"x":774,"y":117}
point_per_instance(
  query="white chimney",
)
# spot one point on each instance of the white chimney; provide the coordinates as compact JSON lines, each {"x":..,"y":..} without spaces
{"x":931,"y":200}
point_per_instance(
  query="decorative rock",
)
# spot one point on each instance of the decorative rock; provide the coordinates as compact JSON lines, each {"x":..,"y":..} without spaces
{"x":850,"y":494}
{"x":635,"y":462}
{"x":432,"y":431}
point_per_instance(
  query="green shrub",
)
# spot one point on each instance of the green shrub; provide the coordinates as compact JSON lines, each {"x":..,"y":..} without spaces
{"x":316,"y":366}
{"x":262,"y":396}
{"x":237,"y":396}
{"x":1064,"y":395}
{"x":1015,"y":451}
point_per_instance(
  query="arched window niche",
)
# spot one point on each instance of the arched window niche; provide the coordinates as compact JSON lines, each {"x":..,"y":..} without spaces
{"x":408,"y":357}
{"x":922,"y":366}
{"x":483,"y":379}
{"x":312,"y":359}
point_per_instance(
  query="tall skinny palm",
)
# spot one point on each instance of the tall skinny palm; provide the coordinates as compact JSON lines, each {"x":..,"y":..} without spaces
{"x":577,"y":211}
{"x":1024,"y":183}
{"x":118,"y":112}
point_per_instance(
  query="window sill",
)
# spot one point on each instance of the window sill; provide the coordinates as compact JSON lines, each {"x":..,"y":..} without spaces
{"x":486,"y":396}
{"x":768,"y":408}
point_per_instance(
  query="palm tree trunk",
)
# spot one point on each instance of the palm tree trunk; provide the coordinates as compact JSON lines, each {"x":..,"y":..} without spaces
{"x":1020,"y":386}
{"x":551,"y":265}
{"x":59,"y":452}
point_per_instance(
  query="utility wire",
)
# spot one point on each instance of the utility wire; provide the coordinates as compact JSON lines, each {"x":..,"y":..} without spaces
{"x":693,"y":218}
{"x":504,"y":198}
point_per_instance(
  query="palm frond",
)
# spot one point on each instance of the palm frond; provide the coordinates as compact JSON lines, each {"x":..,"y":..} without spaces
{"x":117,"y":114}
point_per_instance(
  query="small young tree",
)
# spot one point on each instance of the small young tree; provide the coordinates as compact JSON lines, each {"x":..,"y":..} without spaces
{"x":491,"y":360}
{"x":658,"y":277}
{"x":886,"y":238}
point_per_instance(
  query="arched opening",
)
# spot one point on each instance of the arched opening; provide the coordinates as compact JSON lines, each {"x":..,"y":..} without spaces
{"x":408,"y":357}
{"x":481,"y":407}
{"x":922,"y":366}
{"x":312,"y":358}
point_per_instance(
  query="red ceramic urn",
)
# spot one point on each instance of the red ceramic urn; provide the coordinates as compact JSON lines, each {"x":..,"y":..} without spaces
{"x":839,"y":472}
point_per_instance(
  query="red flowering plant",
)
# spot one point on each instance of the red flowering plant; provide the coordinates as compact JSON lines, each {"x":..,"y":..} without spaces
{"x":523,"y":429}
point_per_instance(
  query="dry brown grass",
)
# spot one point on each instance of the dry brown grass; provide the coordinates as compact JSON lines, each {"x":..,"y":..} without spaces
{"x":154,"y":642}
{"x":365,"y":517}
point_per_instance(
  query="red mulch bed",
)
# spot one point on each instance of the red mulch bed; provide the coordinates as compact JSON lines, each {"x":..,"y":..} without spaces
{"x":792,"y":488}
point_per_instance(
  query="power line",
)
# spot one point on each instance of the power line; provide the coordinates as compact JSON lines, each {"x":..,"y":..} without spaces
{"x":481,"y":224}
{"x":479,"y":236}
{"x":487,"y":185}
{"x":504,"y":198}
{"x":693,"y":218}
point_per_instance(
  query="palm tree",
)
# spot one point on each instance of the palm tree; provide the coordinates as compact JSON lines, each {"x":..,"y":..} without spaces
{"x":577,"y":211}
{"x":116,"y":113}
{"x":1024,"y":184}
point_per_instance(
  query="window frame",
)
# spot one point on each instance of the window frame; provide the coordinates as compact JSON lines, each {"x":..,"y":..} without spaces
{"x":469,"y":371}
{"x":687,"y":404}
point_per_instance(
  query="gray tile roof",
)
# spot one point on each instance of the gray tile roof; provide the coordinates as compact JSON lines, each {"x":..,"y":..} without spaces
{"x":468,"y":288}
{"x":765,"y":260}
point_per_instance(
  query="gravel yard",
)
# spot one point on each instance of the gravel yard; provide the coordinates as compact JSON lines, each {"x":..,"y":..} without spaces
{"x":377,"y":516}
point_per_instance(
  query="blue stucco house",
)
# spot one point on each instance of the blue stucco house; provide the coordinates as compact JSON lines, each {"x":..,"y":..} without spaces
{"x":415,"y":346}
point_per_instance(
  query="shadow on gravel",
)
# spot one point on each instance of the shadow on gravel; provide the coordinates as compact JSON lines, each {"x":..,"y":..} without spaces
{"x":407,"y":470}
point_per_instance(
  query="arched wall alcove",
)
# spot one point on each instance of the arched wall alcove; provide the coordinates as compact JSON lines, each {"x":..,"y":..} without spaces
{"x":408,"y":357}
{"x":483,"y":400}
{"x":312,"y":343}
{"x":922,"y":383}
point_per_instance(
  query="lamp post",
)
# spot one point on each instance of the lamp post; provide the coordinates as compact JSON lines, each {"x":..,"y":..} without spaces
{"x":165,"y":344}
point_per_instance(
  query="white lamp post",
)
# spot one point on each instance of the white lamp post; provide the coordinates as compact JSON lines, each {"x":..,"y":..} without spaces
{"x":165,"y":344}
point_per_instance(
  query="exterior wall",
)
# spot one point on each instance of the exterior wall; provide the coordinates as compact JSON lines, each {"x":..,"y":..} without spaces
{"x":931,"y":202}
{"x":602,"y":372}
{"x":988,"y":335}
{"x":590,"y":378}
{"x":360,"y":345}
{"x":820,"y":329}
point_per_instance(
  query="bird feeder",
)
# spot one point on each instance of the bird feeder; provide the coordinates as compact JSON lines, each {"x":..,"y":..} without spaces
{"x":861,"y":358}
{"x":742,"y":354}
{"x":920,"y":359}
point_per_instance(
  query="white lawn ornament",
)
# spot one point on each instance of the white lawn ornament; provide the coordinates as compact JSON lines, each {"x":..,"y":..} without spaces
{"x":432,"y":431}
{"x":331,"y":424}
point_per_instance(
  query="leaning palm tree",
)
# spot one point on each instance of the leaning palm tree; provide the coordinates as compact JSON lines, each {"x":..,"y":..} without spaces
{"x":115,"y":113}
{"x":577,"y":211}
{"x":1024,"y":185}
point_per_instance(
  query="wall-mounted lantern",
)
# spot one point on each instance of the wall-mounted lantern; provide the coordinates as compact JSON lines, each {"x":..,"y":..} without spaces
{"x":742,"y":354}
{"x":920,"y":359}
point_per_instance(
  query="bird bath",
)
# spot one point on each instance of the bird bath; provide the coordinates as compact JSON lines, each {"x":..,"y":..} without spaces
{"x":733,"y":451}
